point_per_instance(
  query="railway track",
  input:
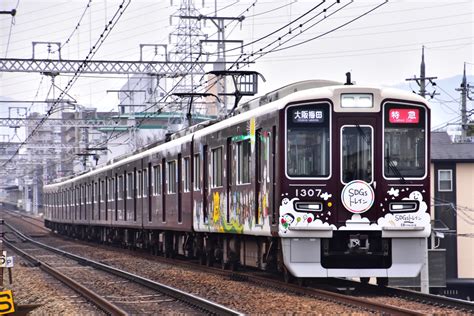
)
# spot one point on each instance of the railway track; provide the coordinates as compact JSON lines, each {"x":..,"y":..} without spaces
{"x":387,"y":300}
{"x":113,"y":290}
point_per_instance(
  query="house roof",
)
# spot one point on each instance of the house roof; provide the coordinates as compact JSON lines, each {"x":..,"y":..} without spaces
{"x":442,"y":148}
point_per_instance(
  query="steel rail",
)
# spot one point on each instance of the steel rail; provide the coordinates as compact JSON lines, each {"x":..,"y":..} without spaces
{"x":431,"y":298}
{"x":341,"y":298}
{"x":193,"y":300}
{"x":95,"y":298}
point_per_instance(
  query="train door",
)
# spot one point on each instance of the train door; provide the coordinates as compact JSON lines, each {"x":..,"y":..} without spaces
{"x":356,"y":139}
{"x":205,"y":183}
{"x":258,"y":177}
{"x":180,"y":189}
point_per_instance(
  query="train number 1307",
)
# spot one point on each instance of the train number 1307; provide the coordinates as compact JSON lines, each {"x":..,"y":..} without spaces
{"x":308,"y":192}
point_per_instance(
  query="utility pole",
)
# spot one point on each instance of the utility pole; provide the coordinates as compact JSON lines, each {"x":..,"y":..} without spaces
{"x":421,"y":81}
{"x":219,"y":23}
{"x":464,"y":89}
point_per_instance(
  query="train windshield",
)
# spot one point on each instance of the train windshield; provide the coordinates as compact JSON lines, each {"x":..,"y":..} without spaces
{"x":356,"y":142}
{"x":307,"y":135}
{"x":404,"y":141}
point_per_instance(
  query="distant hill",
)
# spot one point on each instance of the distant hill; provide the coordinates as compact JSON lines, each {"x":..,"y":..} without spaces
{"x":446,"y":107}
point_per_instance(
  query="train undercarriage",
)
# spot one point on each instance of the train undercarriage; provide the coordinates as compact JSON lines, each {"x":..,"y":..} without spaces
{"x":230,"y":251}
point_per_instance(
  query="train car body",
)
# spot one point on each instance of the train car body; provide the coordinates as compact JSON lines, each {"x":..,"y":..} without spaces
{"x":317,"y":179}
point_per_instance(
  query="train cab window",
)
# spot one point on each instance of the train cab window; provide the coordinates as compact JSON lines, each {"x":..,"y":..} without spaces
{"x":156,"y":180}
{"x":308,"y":141}
{"x":171,"y":177}
{"x":129,"y":185}
{"x":145,"y":183}
{"x":404,"y":141}
{"x":243,"y":162}
{"x":197,"y":172}
{"x":356,"y":151}
{"x":216,"y":167}
{"x":186,"y":174}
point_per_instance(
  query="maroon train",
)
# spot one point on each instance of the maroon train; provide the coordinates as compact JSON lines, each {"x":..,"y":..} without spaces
{"x":317,"y":179}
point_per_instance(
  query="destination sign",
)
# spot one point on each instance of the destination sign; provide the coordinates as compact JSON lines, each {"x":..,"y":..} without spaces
{"x":404,"y":116}
{"x":307,"y":116}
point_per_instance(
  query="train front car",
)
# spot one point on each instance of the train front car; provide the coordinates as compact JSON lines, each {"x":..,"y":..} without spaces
{"x":355,"y":182}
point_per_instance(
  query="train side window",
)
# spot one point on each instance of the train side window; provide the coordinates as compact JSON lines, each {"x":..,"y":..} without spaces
{"x":89,"y":193}
{"x":197,"y":172}
{"x":76,"y":204}
{"x":216,"y":167}
{"x":145,"y":183}
{"x":140,"y":184}
{"x":186,"y":174}
{"x":156,"y":180}
{"x":120,"y":188}
{"x":243,"y":162}
{"x":171,"y":177}
{"x":129,"y":185}
{"x":96,"y":192}
{"x":111,"y":190}
{"x":102,"y":191}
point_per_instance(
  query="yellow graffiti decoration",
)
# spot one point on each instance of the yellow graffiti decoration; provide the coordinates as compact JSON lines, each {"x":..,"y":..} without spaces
{"x":216,"y":201}
{"x":252,"y":130}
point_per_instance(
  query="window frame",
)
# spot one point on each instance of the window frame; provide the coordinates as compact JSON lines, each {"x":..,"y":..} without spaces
{"x":120,"y":187}
{"x":197,"y":172}
{"x":329,"y":106}
{"x":145,"y":184}
{"x":169,"y":188}
{"x":451,"y":187}
{"x":371,"y":156}
{"x":129,"y":185}
{"x":186,"y":174}
{"x":139,"y":187}
{"x":111,"y":189}
{"x":214,"y":183}
{"x":156,"y":180}
{"x":424,"y":108}
{"x":239,"y":171}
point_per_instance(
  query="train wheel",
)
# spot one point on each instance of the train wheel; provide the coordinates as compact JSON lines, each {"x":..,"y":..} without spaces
{"x":234,"y":265}
{"x":209,"y":260}
{"x":382,"y":281}
{"x":202,"y":259}
{"x":364,"y":280}
{"x":224,"y":265}
{"x":301,"y":281}
{"x":287,"y":277}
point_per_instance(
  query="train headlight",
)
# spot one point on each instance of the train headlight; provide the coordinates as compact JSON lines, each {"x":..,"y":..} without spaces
{"x":357,"y":100}
{"x":309,"y":206}
{"x":400,"y":207}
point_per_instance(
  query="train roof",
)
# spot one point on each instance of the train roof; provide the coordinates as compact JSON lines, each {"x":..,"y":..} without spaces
{"x":270,"y":102}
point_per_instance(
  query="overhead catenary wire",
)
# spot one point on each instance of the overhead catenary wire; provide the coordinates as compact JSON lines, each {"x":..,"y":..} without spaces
{"x":102,"y":37}
{"x":66,"y":42}
{"x":12,"y":23}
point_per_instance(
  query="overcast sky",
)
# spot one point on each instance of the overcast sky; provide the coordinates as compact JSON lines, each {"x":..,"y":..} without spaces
{"x":383,"y":47}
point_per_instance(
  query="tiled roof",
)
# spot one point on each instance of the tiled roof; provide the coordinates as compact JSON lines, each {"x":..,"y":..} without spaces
{"x":442,"y":148}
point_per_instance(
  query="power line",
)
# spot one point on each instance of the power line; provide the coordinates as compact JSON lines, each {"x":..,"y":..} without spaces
{"x":75,"y":29}
{"x":103,"y":36}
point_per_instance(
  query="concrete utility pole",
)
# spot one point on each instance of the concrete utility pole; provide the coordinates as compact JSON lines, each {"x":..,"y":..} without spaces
{"x":421,"y":81}
{"x":464,"y":89}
